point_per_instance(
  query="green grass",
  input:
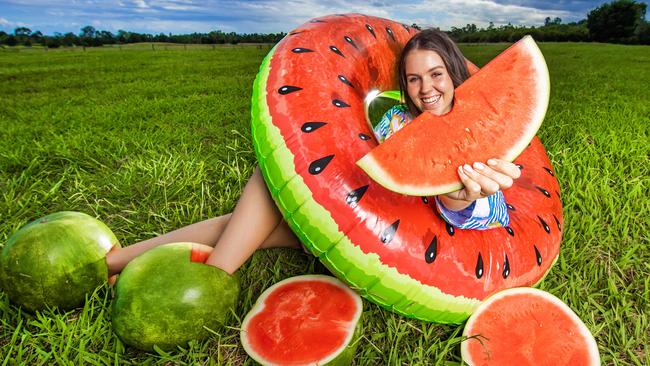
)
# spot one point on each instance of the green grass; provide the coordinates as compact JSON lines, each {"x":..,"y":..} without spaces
{"x":152,"y":141}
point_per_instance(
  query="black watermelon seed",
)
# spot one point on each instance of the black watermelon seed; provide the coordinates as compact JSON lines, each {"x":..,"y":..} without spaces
{"x":546,"y":228}
{"x":510,"y":231}
{"x":389,"y":233}
{"x":340,"y":103}
{"x":432,"y":251}
{"x":294,"y":33}
{"x":549,"y":171}
{"x":543,"y":191}
{"x":317,"y":166}
{"x":425,"y":200}
{"x":538,"y":256}
{"x":316,"y":21}
{"x":345,"y":80}
{"x":479,"y":266}
{"x":408,"y":29}
{"x":558,"y":195}
{"x":355,"y":196}
{"x":350,"y":41}
{"x":510,"y":207}
{"x":336,"y":50}
{"x":288,"y":89}
{"x":559,"y":227}
{"x":364,"y":137}
{"x":506,"y":268}
{"x":521,"y":167}
{"x":372,"y":31}
{"x":312,"y":126}
{"x":390,"y":33}
{"x":301,"y":50}
{"x":450,"y":229}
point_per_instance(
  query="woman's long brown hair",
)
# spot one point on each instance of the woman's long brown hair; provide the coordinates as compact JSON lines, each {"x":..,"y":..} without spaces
{"x":434,"y":40}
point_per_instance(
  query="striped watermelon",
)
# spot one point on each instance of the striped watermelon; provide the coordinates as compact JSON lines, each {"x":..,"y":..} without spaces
{"x":309,"y":129}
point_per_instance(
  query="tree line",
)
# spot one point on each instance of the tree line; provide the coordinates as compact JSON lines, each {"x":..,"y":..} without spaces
{"x":621,"y":21}
{"x":90,"y":37}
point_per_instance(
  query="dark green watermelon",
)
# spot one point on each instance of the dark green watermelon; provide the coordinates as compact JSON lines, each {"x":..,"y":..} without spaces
{"x":56,"y":260}
{"x":309,"y":129}
{"x":168,"y":297}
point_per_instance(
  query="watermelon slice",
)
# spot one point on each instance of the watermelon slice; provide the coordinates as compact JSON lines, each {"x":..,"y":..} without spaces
{"x":304,"y":320}
{"x":309,"y":129}
{"x":525,"y":326}
{"x":496,"y":113}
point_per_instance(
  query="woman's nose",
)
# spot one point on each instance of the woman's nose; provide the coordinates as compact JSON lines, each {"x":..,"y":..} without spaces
{"x":426,"y":86}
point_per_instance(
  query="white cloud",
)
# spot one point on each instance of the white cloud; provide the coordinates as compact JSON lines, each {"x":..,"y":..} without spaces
{"x":263,"y":16}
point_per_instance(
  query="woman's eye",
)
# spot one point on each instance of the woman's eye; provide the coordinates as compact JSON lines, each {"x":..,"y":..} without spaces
{"x":412,"y":80}
{"x":436,"y":74}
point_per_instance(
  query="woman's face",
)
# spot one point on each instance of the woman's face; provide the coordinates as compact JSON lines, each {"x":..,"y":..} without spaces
{"x":428,"y":83}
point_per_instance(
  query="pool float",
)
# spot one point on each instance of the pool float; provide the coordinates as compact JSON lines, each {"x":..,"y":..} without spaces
{"x":309,"y":129}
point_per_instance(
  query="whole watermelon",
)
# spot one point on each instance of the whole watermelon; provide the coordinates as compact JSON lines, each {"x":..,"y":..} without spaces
{"x":168,"y":297}
{"x":56,"y":260}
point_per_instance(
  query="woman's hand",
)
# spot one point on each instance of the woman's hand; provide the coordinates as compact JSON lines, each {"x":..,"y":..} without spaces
{"x":480,"y":181}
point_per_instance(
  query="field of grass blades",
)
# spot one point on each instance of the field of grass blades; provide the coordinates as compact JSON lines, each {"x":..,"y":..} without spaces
{"x":149,"y":140}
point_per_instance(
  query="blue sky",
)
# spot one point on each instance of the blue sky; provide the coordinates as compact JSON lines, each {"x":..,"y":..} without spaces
{"x":267,"y":16}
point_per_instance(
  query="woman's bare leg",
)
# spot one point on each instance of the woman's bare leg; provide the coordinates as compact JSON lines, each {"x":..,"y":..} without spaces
{"x":209,"y":231}
{"x":254,"y":220}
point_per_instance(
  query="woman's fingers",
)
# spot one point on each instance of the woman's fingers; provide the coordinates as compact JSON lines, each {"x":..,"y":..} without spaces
{"x":471,"y":189}
{"x":478,"y":185}
{"x":504,"y":167}
{"x":503,"y":181}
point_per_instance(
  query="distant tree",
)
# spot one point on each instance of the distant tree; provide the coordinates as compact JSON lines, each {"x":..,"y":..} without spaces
{"x":11,"y":40}
{"x":415,"y":26}
{"x":616,"y":22}
{"x":70,"y":39}
{"x":88,"y":31}
{"x":22,"y":31}
{"x":557,"y":20}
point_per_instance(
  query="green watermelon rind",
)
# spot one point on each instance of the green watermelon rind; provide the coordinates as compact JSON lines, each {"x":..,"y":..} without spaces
{"x":39,"y":268}
{"x":318,"y":231}
{"x":592,"y":346}
{"x":163,"y":299}
{"x":342,"y":356}
{"x":378,"y":172}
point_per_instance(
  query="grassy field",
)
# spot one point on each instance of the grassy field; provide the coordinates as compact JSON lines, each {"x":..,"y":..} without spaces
{"x":152,"y":141}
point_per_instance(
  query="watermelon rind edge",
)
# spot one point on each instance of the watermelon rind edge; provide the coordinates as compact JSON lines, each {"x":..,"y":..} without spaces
{"x":336,"y":355}
{"x":584,"y":331}
{"x":319,"y":233}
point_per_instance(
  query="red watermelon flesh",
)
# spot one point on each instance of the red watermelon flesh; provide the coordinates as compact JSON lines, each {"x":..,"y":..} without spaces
{"x":496,"y":113}
{"x":311,"y":90}
{"x":525,"y":326}
{"x":304,"y":320}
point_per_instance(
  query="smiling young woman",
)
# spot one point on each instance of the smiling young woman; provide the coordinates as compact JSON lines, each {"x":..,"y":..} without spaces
{"x":431,"y":66}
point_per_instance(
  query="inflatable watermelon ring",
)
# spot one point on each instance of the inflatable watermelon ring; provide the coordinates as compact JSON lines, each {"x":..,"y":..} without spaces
{"x":309,"y":129}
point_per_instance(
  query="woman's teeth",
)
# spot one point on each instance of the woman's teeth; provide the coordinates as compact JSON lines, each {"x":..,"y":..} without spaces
{"x":431,"y":100}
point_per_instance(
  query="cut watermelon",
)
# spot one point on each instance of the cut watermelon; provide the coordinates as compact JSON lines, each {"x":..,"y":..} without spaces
{"x":525,"y":326}
{"x":496,"y":113}
{"x":304,"y":320}
{"x":309,"y":129}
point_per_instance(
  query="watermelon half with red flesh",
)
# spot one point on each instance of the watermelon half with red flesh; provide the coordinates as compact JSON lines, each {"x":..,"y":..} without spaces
{"x":496,"y":113}
{"x":309,"y":129}
{"x":304,"y":320}
{"x":526,"y":326}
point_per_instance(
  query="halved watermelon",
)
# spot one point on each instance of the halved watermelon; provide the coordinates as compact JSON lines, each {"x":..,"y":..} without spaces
{"x":309,"y":129}
{"x":526,"y":326}
{"x":496,"y":113}
{"x":304,"y":320}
